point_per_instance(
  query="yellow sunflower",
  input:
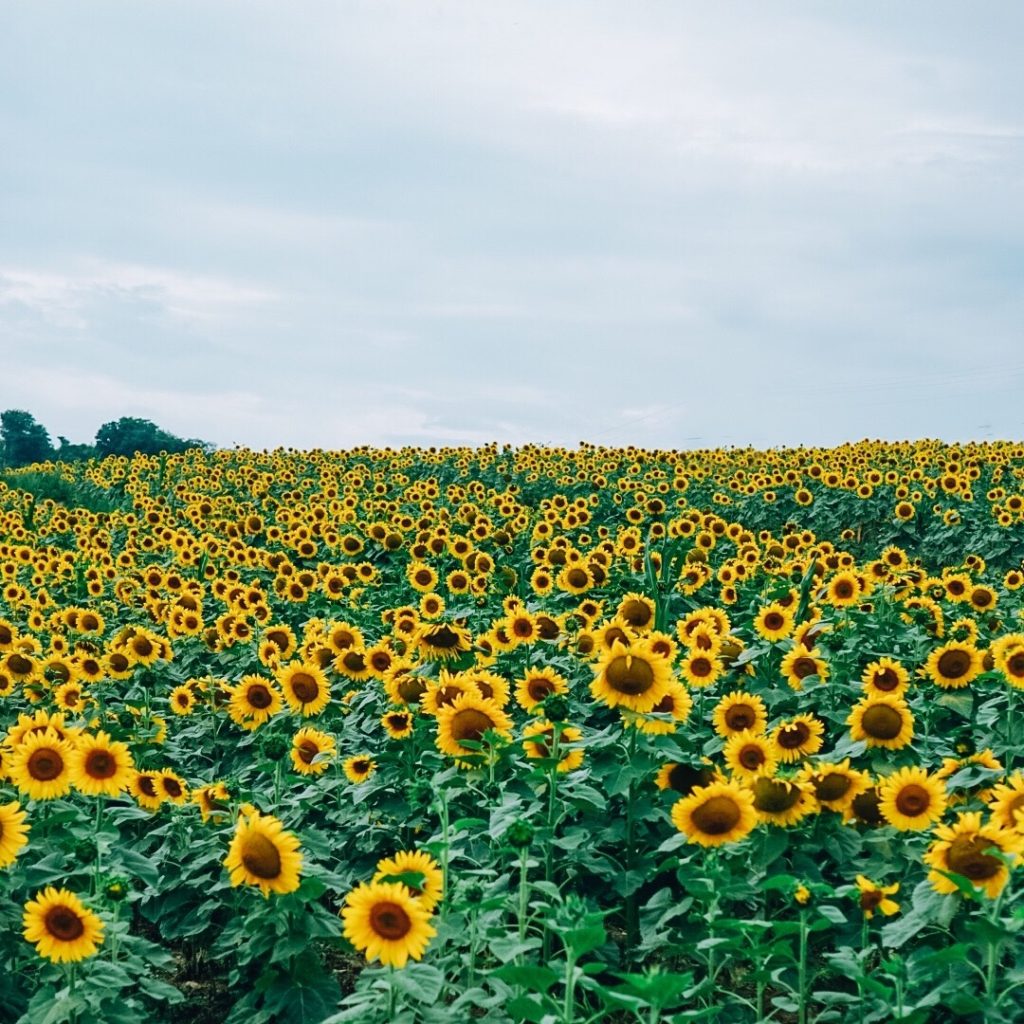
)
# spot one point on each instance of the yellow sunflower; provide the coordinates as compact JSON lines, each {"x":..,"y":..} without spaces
{"x":748,"y":755}
{"x":398,"y":724}
{"x":782,"y":802}
{"x":885,"y":676}
{"x":312,"y":751}
{"x":911,"y":799}
{"x":182,"y":700}
{"x":305,"y":687}
{"x":631,"y":676}
{"x":441,"y":641}
{"x":468,"y":718}
{"x":719,"y":813}
{"x":387,"y":923}
{"x":143,"y":787}
{"x":797,"y":738}
{"x":1006,"y":803}
{"x":537,"y":685}
{"x":882,"y":722}
{"x":970,"y":849}
{"x":954,"y":665}
{"x":101,"y":766}
{"x":538,"y":739}
{"x":429,"y":889}
{"x":39,"y":765}
{"x":800,"y":664}
{"x":253,"y":701}
{"x":172,"y":786}
{"x":13,"y":832}
{"x":684,"y":778}
{"x":774,"y":622}
{"x":262,"y":853}
{"x":836,"y":786}
{"x":63,"y":929}
{"x":359,"y":768}
{"x":701,"y":668}
{"x":739,"y":712}
{"x":876,"y":897}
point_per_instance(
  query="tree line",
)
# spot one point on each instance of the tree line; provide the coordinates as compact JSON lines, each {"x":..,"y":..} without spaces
{"x":23,"y":440}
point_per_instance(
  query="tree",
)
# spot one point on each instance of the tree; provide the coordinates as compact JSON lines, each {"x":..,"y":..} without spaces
{"x":130,"y":434}
{"x":23,"y":439}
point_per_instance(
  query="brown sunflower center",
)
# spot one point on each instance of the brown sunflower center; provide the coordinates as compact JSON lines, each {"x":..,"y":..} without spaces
{"x":259,"y":696}
{"x":398,"y":722}
{"x":865,"y":806}
{"x":954,"y":664}
{"x":751,"y":757}
{"x":522,"y":628}
{"x":613,"y":634}
{"x":717,"y":816}
{"x":629,"y":675}
{"x":774,"y":796}
{"x":636,"y":613}
{"x":774,"y":621}
{"x":142,"y":647}
{"x":1015,"y":664}
{"x":100,"y":764}
{"x":794,"y":735}
{"x":443,"y":638}
{"x":913,"y":800}
{"x":577,"y":578}
{"x":832,"y":786}
{"x":470,"y":724}
{"x":966,"y":856}
{"x":390,"y":921}
{"x":261,"y":857}
{"x":19,"y":664}
{"x":869,"y":900}
{"x":172,"y":787}
{"x":305,"y":687}
{"x":354,"y":661}
{"x":307,"y":750}
{"x":64,"y":924}
{"x":844,"y":589}
{"x":538,"y":688}
{"x":804,"y":667}
{"x":700,"y":666}
{"x":882,"y":722}
{"x":740,"y":717}
{"x":45,"y":764}
{"x":885,"y":679}
{"x":411,"y":688}
{"x":146,"y":786}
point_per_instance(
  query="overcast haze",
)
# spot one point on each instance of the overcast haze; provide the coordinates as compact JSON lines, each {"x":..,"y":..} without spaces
{"x":668,"y":224}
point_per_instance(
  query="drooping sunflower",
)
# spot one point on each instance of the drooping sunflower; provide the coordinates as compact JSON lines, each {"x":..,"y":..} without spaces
{"x":969,"y":848}
{"x":739,"y":711}
{"x":954,"y":665}
{"x":1006,"y":803}
{"x":430,"y":887}
{"x":882,"y":722}
{"x":441,"y":641}
{"x":262,"y":853}
{"x":305,"y":687}
{"x":797,"y":738}
{"x":402,"y":685}
{"x":836,"y":786}
{"x":100,"y":766}
{"x":212,"y":801}
{"x":13,"y":832}
{"x":538,"y":742}
{"x":774,"y":622}
{"x":537,"y":685}
{"x":468,"y":718}
{"x":638,"y":611}
{"x":631,"y":676}
{"x":884,"y":676}
{"x":748,"y":755}
{"x":719,"y":813}
{"x":39,"y":765}
{"x":782,"y":802}
{"x":911,"y":799}
{"x":359,"y":768}
{"x":312,"y":751}
{"x":398,"y":723}
{"x":63,"y":929}
{"x":876,"y":897}
{"x":253,"y":701}
{"x":387,"y":923}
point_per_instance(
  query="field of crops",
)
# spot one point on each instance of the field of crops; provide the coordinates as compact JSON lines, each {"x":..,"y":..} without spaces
{"x":512,"y":735}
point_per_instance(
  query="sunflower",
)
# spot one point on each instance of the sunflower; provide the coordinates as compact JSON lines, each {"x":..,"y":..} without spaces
{"x":748,"y":755}
{"x":212,"y":800}
{"x":253,"y":701}
{"x":441,"y":641}
{"x":13,"y":832}
{"x":631,"y":676}
{"x":63,"y":929}
{"x":800,"y":664}
{"x":782,"y":802}
{"x":1010,"y":661}
{"x":882,"y":722}
{"x":1006,"y":803}
{"x":911,"y":799}
{"x":701,"y":668}
{"x":974,"y":851}
{"x":719,"y":813}
{"x":172,"y":786}
{"x":182,"y":700}
{"x":387,"y":923}
{"x":675,"y":706}
{"x":263,"y":854}
{"x":100,"y":766}
{"x":445,"y":690}
{"x":774,"y":622}
{"x":305,"y":687}
{"x":843,"y":590}
{"x":39,"y":765}
{"x":885,"y":676}
{"x":954,"y":665}
{"x":537,"y":685}
{"x":876,"y":897}
{"x":798,"y":737}
{"x":836,"y":786}
{"x":685,"y":778}
{"x":359,"y":768}
{"x":638,"y":611}
{"x":537,"y":742}
{"x":143,"y":787}
{"x":739,"y":712}
{"x":402,"y":685}
{"x":398,"y":724}
{"x":312,"y":751}
{"x":468,"y":718}
{"x":431,"y":885}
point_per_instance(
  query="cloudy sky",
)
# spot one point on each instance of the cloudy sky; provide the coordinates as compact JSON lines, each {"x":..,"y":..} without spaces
{"x":429,"y":222}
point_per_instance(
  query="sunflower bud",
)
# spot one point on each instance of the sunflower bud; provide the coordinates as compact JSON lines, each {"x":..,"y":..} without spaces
{"x":556,"y":708}
{"x":519,"y":834}
{"x":275,"y":748}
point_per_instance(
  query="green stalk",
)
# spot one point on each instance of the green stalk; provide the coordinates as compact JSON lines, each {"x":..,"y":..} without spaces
{"x":445,"y":834}
{"x":864,"y":951}
{"x":631,"y":909}
{"x":802,"y":971}
{"x":97,"y":866}
{"x":524,"y":890}
{"x":569,"y":1007}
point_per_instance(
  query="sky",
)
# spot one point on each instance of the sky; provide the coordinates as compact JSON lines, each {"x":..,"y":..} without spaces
{"x":670,"y":224}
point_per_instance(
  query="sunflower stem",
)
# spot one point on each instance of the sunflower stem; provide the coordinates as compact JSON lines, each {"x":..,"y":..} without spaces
{"x":569,"y":1006}
{"x":524,"y":891}
{"x":549,"y":850}
{"x":72,"y":980}
{"x":445,"y":839}
{"x":98,"y":863}
{"x":631,"y":909}
{"x":392,"y":993}
{"x":801,"y":970}
{"x":865,"y":953}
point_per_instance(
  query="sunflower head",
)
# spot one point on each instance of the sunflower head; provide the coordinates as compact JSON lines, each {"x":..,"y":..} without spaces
{"x":63,"y":929}
{"x":263,"y":854}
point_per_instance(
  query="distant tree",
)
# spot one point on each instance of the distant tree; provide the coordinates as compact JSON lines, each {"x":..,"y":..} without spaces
{"x":23,"y":439}
{"x":71,"y":452}
{"x":130,"y":434}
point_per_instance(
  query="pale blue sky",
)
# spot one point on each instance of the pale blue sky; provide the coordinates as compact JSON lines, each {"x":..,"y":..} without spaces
{"x":661,"y":223}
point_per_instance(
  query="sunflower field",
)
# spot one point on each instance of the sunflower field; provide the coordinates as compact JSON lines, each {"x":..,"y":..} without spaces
{"x":514,"y":734}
